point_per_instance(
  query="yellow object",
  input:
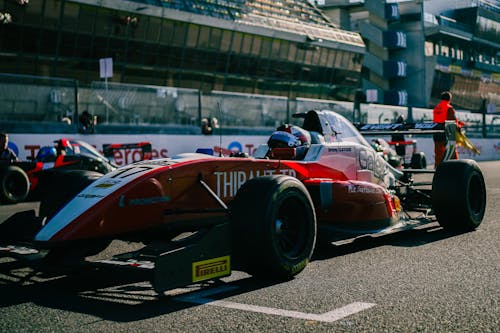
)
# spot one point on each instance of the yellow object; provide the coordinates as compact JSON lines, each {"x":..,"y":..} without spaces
{"x":463,"y":141}
{"x":211,"y":268}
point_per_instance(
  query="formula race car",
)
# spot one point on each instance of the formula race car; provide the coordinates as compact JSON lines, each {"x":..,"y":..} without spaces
{"x":389,"y":154}
{"x":200,"y":216}
{"x":34,"y":178}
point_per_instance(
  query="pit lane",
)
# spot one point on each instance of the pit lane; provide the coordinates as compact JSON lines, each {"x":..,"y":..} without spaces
{"x":423,"y":280}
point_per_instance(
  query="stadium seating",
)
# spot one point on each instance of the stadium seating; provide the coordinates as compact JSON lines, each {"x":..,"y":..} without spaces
{"x":295,"y":16}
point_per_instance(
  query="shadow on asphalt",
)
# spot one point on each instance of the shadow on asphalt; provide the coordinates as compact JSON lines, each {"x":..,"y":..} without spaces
{"x":409,"y":238}
{"x":112,"y":295}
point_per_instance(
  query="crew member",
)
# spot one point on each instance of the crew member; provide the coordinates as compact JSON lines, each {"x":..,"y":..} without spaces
{"x":6,"y":154}
{"x":85,"y":123}
{"x":399,"y":138}
{"x":442,"y":112}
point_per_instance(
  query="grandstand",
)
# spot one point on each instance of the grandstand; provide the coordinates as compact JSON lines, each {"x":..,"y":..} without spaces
{"x":287,"y":48}
{"x":402,"y":52}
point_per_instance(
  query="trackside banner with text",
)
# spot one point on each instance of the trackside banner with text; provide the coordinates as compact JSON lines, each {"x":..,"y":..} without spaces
{"x":164,"y":145}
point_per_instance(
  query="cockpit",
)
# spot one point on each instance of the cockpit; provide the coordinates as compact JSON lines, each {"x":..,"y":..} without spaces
{"x":328,"y":126}
{"x":319,"y":127}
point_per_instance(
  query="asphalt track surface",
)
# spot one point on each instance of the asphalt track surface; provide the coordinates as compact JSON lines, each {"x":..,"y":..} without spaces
{"x":424,"y":280}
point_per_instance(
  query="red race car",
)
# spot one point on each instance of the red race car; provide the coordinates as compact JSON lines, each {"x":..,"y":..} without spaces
{"x":34,"y":178}
{"x":200,"y":216}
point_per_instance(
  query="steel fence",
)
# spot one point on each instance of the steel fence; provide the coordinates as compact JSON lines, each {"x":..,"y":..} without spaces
{"x":40,"y":104}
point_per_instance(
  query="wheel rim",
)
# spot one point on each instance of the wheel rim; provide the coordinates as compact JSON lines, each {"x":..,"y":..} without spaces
{"x":290,"y":227}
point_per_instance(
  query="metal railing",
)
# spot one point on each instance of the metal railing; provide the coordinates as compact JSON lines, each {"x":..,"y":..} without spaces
{"x":49,"y":105}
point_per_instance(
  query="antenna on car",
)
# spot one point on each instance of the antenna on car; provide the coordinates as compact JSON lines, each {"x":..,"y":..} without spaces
{"x":220,"y":129}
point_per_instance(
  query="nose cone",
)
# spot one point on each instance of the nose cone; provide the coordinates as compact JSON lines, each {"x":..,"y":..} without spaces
{"x":136,"y":206}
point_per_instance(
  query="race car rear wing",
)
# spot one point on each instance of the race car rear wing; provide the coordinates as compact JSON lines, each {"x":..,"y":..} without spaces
{"x":423,"y":128}
{"x":445,"y":131}
{"x":145,"y":147}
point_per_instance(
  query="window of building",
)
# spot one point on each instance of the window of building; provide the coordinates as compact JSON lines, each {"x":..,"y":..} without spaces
{"x":268,"y":47}
{"x":292,"y":52}
{"x":87,"y":21}
{"x":246,"y":46}
{"x":167,"y":32}
{"x":215,"y":38}
{"x":180,"y":32}
{"x":192,"y":35}
{"x":429,"y":48}
{"x":284,"y":50}
{"x":237,"y":40}
{"x":70,"y":17}
{"x":226,"y":40}
{"x":258,"y":46}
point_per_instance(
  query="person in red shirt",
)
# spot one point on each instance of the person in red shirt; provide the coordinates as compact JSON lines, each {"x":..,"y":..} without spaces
{"x":442,"y":112}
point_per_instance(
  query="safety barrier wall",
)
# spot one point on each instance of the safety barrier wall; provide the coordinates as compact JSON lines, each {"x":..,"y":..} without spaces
{"x":42,"y":105}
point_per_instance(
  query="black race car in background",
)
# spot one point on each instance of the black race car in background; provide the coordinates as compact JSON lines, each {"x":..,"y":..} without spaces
{"x":31,"y":179}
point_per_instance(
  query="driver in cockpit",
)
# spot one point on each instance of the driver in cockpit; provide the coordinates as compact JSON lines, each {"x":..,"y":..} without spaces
{"x":293,"y":137}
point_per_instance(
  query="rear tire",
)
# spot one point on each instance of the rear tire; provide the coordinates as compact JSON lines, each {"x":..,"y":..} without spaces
{"x":418,"y":161}
{"x":459,"y":195}
{"x":274,"y":227}
{"x":14,"y":185}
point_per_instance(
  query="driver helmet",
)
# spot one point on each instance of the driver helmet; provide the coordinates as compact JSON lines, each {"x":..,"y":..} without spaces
{"x":282,"y":139}
{"x":289,"y":136}
{"x":301,"y":134}
{"x":63,"y":146}
{"x":46,"y":153}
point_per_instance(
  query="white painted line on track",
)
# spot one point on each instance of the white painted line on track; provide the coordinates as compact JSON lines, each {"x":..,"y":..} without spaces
{"x":331,"y":316}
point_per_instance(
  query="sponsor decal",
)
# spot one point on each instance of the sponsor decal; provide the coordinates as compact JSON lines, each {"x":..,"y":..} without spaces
{"x":229,"y":182}
{"x":381,"y":127}
{"x":127,"y":156}
{"x":89,"y":196}
{"x":425,"y":125}
{"x":235,"y":146}
{"x":211,"y":268}
{"x":340,"y":150}
{"x":142,"y":201}
{"x":107,"y":184}
{"x":497,"y":147}
{"x":361,"y":189}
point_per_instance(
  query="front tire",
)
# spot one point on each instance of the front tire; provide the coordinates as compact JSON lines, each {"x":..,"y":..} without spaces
{"x":274,"y":227}
{"x":14,"y":185}
{"x":459,"y":195}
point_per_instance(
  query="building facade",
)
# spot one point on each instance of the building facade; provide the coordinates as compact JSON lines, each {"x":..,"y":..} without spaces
{"x":286,"y":48}
{"x":416,"y":49}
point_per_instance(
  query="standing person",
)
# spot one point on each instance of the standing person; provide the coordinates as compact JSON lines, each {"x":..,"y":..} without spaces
{"x":85,"y":123}
{"x":398,"y":137}
{"x":442,"y":112}
{"x":6,"y":154}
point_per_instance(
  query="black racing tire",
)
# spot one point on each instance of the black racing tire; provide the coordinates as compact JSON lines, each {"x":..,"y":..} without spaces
{"x":459,"y":195}
{"x":14,"y":185}
{"x":418,"y":161}
{"x":57,"y":188}
{"x":274,"y":227}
